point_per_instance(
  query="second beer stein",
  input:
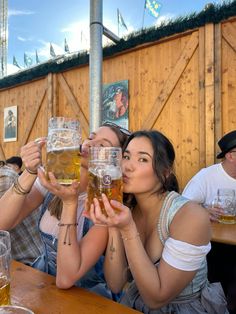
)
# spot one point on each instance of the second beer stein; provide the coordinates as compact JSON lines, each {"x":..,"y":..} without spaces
{"x":63,"y":149}
{"x":5,"y":258}
{"x":225,"y":200}
{"x":105,"y":174}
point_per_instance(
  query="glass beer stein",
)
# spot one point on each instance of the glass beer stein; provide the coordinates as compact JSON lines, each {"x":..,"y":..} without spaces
{"x":63,"y":149}
{"x":226,"y":201}
{"x":105,"y":174}
{"x":5,"y":258}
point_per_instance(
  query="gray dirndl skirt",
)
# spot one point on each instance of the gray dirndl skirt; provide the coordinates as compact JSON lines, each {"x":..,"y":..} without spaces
{"x":210,"y":299}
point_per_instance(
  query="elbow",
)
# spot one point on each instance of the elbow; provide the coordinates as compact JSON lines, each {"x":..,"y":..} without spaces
{"x":63,"y":282}
{"x":114,"y":288}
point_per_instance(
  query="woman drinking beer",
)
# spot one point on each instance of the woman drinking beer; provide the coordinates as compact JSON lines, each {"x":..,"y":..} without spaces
{"x":159,"y":237}
{"x":72,"y":245}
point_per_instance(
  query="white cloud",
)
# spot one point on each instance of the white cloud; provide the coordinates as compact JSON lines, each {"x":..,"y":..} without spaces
{"x":77,"y":34}
{"x":44,"y":51}
{"x":24,"y":39}
{"x":19,"y":12}
{"x":164,"y":19}
{"x":11,"y":69}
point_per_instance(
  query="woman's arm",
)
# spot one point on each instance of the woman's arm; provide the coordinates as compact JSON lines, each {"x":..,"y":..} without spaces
{"x":74,"y":258}
{"x":159,"y":285}
{"x":115,"y":265}
{"x":14,"y":207}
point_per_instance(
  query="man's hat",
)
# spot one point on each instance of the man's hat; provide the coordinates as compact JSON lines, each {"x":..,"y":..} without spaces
{"x":226,"y":143}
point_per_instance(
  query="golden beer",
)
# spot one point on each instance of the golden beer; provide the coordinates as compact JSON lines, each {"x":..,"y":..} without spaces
{"x":227,"y":219}
{"x":4,"y":291}
{"x":112,"y":187}
{"x":64,"y":163}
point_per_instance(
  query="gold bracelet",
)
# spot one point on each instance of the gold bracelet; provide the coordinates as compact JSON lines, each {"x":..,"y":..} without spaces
{"x":67,"y":234}
{"x":32,"y":172}
{"x":19,"y":189}
{"x":131,"y":238}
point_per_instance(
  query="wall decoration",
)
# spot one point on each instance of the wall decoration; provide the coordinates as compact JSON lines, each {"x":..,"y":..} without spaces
{"x":10,"y":124}
{"x":115,"y":103}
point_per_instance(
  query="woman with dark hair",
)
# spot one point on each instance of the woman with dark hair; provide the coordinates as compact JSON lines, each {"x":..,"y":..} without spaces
{"x":160,"y":238}
{"x":73,"y":248}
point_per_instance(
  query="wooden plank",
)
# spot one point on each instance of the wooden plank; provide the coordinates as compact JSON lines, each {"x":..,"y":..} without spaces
{"x":32,"y":120}
{"x":55,"y":96}
{"x":229,"y":34}
{"x":202,"y":122}
{"x":2,"y":155}
{"x":209,"y":93}
{"x":171,"y":82}
{"x":50,"y":95}
{"x":218,"y":82}
{"x":74,"y":103}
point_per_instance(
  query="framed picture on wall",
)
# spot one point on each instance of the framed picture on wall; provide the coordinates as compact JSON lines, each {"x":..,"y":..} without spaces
{"x":10,"y":124}
{"x":115,"y":103}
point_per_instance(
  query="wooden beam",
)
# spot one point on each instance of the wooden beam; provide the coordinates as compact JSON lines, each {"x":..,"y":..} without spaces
{"x":229,"y":34}
{"x":32,"y":119}
{"x":201,"y":84}
{"x":218,"y":89}
{"x":55,"y":96}
{"x":50,"y":95}
{"x":74,"y":103}
{"x":2,"y":154}
{"x":209,"y":94}
{"x":171,"y":82}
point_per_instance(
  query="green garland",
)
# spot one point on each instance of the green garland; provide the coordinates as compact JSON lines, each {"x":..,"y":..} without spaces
{"x":211,"y":14}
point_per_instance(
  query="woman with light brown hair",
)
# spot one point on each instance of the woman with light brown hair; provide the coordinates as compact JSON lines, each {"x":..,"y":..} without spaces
{"x":72,"y":246}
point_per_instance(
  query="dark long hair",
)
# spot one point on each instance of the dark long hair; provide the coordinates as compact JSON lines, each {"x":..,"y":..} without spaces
{"x":163,"y":161}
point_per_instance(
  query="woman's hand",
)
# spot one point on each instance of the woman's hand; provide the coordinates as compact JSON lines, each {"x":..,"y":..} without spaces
{"x":31,"y":155}
{"x":119,"y":217}
{"x":68,"y":194}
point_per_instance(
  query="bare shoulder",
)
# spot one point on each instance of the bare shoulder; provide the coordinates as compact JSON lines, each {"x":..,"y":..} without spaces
{"x":192,"y":224}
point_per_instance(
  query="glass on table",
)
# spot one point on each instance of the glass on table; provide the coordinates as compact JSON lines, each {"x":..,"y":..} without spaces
{"x":226,"y":201}
{"x":14,"y":309}
{"x":63,"y":149}
{"x":5,"y":258}
{"x":105,"y":175}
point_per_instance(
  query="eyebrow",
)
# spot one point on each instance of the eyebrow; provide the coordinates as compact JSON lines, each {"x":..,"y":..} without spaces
{"x":140,"y":153}
{"x":104,"y":139}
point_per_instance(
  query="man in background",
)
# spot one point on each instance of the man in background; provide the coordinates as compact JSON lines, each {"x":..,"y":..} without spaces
{"x":15,"y":162}
{"x":202,"y":188}
{"x":26,"y":244}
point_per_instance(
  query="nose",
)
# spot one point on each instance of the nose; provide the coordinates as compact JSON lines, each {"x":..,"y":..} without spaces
{"x":127,"y":166}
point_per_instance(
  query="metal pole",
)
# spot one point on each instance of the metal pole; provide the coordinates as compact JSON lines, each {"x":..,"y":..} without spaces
{"x":95,"y":64}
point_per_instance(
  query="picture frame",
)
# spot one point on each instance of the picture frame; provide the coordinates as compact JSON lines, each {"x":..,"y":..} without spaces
{"x":10,"y":124}
{"x":115,"y":103}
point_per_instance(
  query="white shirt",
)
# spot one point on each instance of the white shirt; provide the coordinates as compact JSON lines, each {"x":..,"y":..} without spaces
{"x":203,"y":187}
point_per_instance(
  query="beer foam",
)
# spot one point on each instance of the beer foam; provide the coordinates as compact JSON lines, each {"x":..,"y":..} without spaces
{"x":61,"y":149}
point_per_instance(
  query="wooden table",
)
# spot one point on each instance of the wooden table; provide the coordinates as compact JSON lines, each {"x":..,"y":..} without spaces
{"x":37,"y":291}
{"x":223,"y":233}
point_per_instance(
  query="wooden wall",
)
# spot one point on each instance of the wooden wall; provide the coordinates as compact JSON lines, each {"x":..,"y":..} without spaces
{"x":184,"y":86}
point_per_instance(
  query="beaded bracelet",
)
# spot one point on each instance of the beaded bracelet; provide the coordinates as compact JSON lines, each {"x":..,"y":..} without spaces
{"x":31,"y":172}
{"x":67,"y":234}
{"x":18,"y":189}
{"x":130,"y":238}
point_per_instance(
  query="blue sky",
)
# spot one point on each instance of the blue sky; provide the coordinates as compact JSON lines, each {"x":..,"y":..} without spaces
{"x":34,"y":24}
